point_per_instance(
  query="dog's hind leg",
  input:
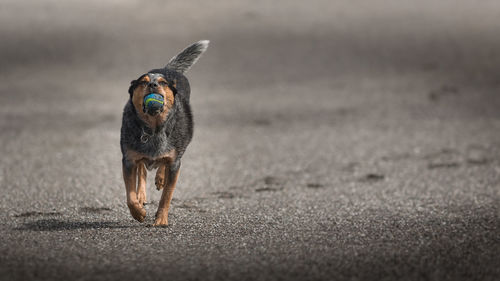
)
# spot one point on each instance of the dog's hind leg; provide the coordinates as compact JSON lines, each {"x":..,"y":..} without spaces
{"x":130,"y":178}
{"x":166,"y":196}
{"x":160,"y":179}
{"x":141,"y":186}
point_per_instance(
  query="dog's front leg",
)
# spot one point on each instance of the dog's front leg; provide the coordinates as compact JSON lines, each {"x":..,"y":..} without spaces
{"x":130,"y":177}
{"x":172,"y":172}
{"x":141,"y":186}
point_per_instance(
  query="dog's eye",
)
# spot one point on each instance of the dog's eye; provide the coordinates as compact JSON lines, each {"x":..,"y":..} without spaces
{"x":163,"y":83}
{"x":143,"y":82}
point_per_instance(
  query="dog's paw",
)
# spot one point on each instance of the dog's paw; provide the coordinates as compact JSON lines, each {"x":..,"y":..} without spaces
{"x":137,"y":211}
{"x":159,"y":181}
{"x":160,"y":222}
{"x":161,"y":218}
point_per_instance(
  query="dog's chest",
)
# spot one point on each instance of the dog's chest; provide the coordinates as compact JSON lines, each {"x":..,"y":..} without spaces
{"x":153,"y":146}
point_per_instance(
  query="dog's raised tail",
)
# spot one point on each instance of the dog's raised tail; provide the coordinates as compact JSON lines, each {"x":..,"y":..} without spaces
{"x":185,"y":59}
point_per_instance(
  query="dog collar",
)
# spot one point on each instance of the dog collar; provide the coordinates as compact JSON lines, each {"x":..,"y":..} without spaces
{"x":145,"y":137}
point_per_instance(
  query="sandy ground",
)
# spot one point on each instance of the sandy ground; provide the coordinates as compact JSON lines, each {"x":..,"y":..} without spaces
{"x":333,"y":141}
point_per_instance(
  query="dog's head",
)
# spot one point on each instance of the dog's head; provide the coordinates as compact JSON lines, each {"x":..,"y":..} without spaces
{"x":156,"y":82}
{"x":152,"y":83}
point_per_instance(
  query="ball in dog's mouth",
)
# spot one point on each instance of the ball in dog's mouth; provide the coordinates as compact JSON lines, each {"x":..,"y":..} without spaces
{"x":153,"y":103}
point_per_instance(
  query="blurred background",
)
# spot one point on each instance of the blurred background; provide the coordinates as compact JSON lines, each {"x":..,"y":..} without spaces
{"x":332,"y":138}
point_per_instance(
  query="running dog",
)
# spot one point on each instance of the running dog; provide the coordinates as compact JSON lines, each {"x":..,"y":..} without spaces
{"x":157,"y":126}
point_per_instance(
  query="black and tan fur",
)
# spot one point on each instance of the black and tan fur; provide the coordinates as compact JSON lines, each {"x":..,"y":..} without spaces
{"x":157,"y":140}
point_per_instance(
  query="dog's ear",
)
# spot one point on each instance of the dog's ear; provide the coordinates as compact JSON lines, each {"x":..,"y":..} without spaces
{"x":173,"y":86}
{"x":133,"y":85}
{"x":185,"y":59}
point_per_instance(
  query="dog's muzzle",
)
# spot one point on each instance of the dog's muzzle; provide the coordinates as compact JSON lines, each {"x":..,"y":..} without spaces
{"x":153,"y":104}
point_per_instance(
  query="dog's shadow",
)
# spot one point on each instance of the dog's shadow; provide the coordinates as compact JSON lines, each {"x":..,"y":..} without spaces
{"x":59,"y":225}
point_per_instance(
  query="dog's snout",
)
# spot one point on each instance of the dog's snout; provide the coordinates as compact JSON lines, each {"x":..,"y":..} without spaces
{"x":154,"y":85}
